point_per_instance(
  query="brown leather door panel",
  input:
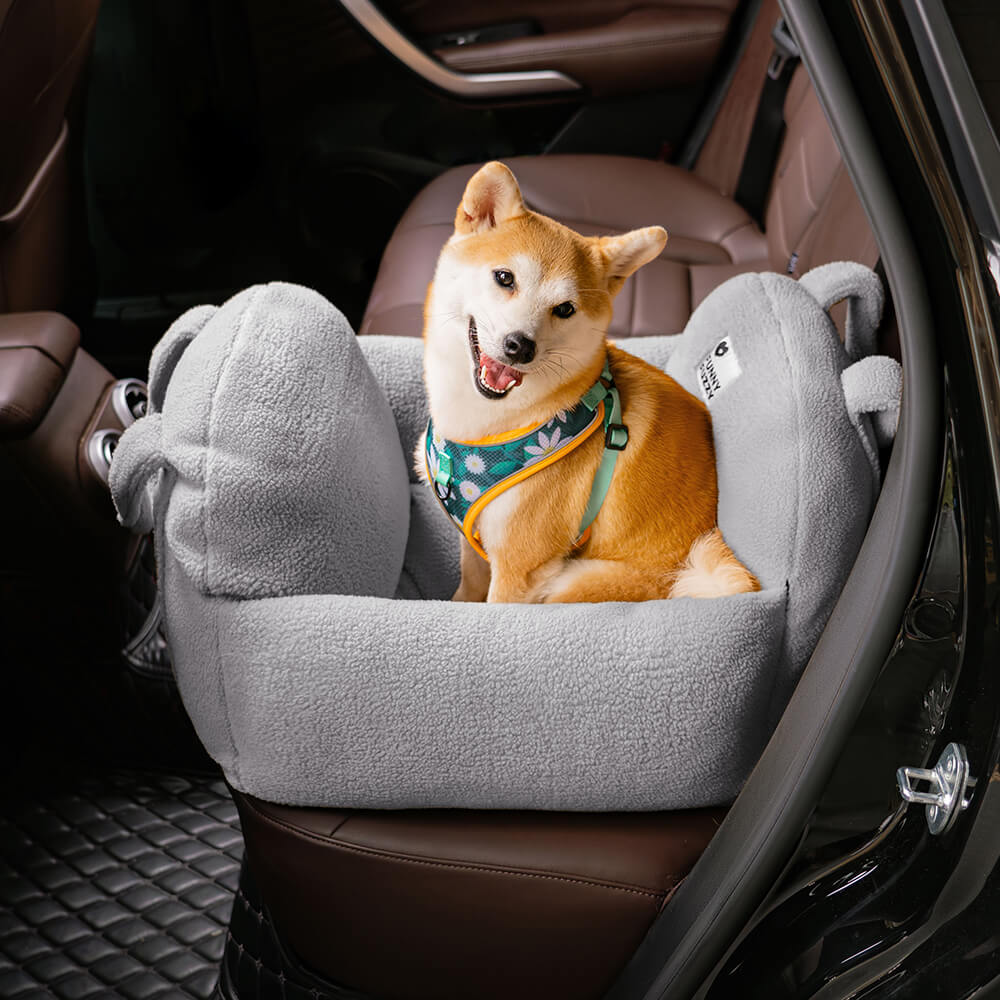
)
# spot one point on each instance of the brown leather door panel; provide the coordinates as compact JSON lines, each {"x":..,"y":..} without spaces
{"x":614,"y":47}
{"x":435,"y":17}
{"x":36,"y":351}
{"x":653,"y":48}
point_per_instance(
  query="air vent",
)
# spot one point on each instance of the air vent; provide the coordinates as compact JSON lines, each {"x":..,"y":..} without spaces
{"x":101,"y":449}
{"x":129,"y":398}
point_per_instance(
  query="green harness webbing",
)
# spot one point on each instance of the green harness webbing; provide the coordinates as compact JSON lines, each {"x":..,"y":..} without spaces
{"x":615,"y":439}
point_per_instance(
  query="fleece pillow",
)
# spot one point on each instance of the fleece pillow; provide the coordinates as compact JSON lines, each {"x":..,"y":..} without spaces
{"x":312,"y":686}
{"x":258,"y":412}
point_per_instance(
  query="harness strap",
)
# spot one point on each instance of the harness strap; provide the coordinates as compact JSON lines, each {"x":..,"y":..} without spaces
{"x":602,"y":400}
{"x":615,"y":439}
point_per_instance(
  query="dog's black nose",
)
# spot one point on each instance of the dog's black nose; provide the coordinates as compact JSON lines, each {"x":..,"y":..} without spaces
{"x":518,"y":348}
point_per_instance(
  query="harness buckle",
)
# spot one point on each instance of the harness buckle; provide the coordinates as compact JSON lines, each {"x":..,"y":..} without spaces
{"x":442,"y":476}
{"x":616,"y":437}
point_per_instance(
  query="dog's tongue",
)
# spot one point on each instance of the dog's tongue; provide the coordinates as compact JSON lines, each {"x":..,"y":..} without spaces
{"x":497,"y":375}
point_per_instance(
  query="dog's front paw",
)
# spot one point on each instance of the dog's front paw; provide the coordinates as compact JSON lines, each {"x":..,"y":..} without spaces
{"x":469,"y":595}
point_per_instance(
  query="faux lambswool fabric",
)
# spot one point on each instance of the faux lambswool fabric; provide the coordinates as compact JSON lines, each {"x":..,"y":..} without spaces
{"x":305,"y":572}
{"x":266,"y":413}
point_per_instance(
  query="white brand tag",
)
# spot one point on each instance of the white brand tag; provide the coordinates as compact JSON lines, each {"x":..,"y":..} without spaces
{"x":718,"y":369}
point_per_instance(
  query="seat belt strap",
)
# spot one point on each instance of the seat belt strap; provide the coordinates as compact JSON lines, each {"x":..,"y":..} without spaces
{"x":768,"y":125}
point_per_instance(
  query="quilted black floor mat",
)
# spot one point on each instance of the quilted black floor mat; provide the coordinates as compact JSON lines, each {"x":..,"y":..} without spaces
{"x":119,"y":886}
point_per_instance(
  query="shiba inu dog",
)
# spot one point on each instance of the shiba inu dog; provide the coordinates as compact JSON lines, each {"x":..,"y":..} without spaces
{"x":576,"y":471}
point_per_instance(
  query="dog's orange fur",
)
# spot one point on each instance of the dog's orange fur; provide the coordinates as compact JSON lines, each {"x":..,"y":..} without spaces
{"x":656,"y":534}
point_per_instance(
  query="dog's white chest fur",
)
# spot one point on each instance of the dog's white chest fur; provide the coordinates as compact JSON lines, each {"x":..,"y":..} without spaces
{"x":494,"y":521}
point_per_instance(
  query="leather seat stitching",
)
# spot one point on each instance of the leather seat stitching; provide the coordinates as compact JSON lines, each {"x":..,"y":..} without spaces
{"x":406,"y":859}
{"x":746,"y":224}
{"x":15,"y":410}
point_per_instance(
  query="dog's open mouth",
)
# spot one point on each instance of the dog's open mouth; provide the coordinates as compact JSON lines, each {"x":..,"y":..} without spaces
{"x":493,"y":378}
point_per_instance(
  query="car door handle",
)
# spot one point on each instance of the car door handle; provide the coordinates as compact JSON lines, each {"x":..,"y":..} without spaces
{"x":520,"y":83}
{"x":650,"y":48}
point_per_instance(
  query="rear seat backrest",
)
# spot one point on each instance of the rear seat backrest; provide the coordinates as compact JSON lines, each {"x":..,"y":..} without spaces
{"x":813,"y":215}
{"x":721,"y":156}
{"x":812,"y":211}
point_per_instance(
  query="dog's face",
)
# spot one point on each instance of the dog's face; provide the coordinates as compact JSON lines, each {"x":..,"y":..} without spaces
{"x":520,"y":305}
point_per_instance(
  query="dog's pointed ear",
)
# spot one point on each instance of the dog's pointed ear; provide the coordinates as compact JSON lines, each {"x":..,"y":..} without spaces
{"x":491,"y":197}
{"x":625,"y":254}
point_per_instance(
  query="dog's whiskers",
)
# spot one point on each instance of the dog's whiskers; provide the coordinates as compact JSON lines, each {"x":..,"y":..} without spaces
{"x":552,"y":362}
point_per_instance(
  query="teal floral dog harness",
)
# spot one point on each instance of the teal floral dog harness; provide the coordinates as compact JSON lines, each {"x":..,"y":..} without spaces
{"x":467,"y":475}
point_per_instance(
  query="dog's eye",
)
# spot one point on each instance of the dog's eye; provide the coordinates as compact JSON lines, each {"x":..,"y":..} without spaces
{"x":503,"y":277}
{"x":564,"y":310}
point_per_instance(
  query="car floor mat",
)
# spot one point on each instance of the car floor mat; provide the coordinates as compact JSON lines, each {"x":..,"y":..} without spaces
{"x":117,"y":885}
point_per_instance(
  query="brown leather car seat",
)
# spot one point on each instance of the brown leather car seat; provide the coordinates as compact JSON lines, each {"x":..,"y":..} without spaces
{"x":812,"y":216}
{"x":453,"y":904}
{"x":711,"y":237}
{"x":44,"y":45}
{"x":456,"y":904}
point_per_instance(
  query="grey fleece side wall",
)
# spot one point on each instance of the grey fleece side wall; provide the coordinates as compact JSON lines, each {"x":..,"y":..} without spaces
{"x":346,"y":701}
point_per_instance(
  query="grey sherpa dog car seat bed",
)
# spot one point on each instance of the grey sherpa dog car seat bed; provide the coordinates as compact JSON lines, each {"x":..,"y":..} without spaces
{"x":306,"y":574}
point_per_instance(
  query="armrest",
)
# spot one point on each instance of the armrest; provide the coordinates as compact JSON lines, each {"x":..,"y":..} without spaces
{"x":36,"y":351}
{"x":646,"y":49}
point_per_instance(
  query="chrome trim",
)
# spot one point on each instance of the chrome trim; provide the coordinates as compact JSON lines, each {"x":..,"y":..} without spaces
{"x":100,"y":447}
{"x":993,"y":260}
{"x":963,"y":117}
{"x":950,"y":787}
{"x":469,"y":85}
{"x":119,"y":401}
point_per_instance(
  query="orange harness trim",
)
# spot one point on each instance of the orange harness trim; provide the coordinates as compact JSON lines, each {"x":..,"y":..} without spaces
{"x":519,"y":477}
{"x":468,"y":522}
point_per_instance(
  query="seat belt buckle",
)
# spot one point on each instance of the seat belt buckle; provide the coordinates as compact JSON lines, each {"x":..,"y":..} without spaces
{"x":784,"y":49}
